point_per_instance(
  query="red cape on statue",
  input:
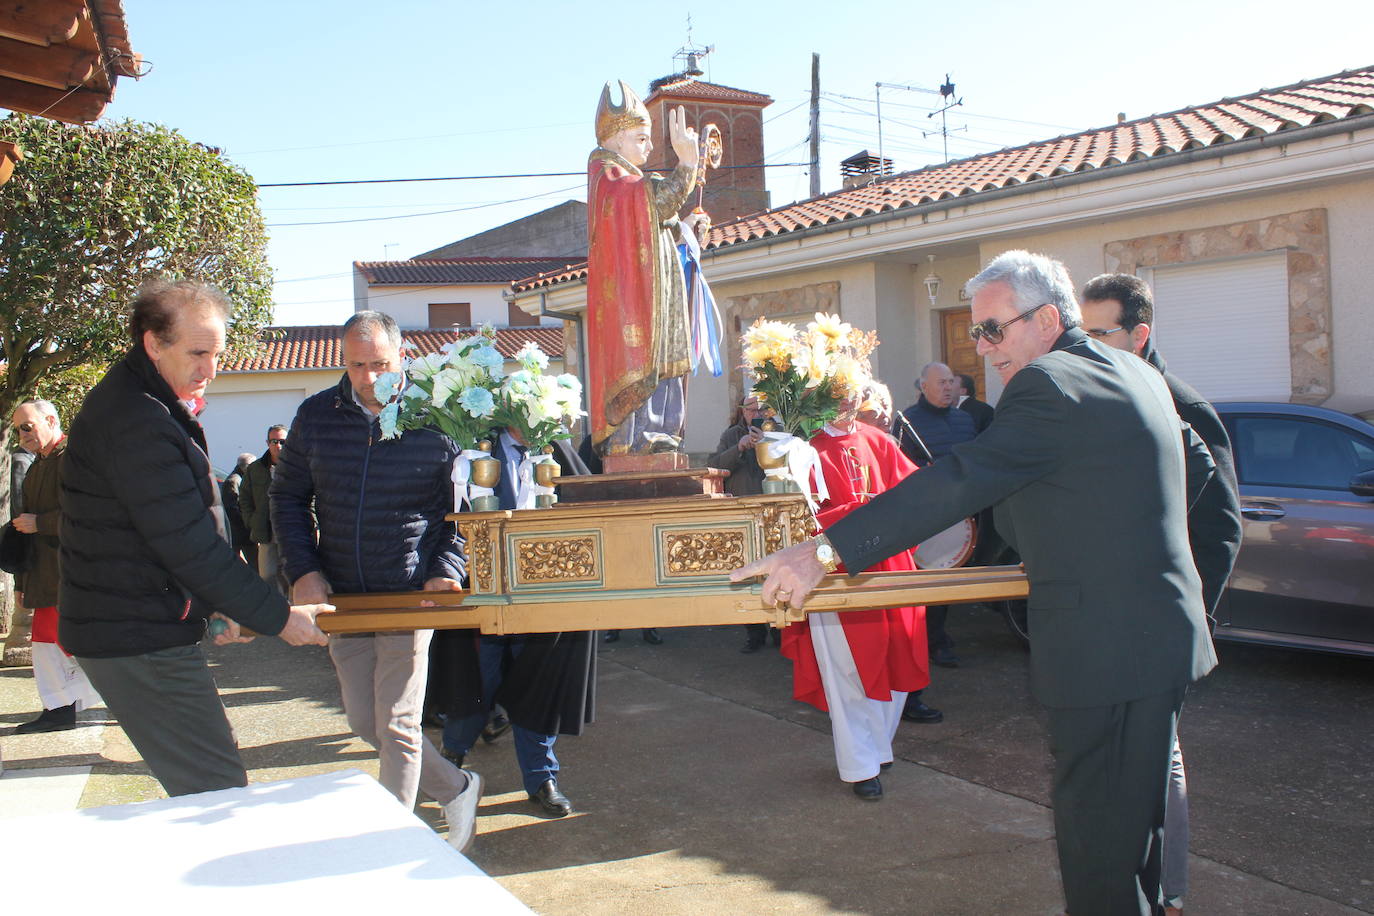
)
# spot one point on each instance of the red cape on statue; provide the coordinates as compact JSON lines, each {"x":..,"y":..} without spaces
{"x":622,"y":240}
{"x":889,"y":646}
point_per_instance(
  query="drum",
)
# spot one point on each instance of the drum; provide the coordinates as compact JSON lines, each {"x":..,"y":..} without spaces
{"x":948,"y":549}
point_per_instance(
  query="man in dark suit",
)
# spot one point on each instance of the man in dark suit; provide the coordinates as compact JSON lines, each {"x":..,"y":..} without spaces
{"x":967,"y":401}
{"x":1119,"y":311}
{"x":546,"y":682}
{"x":1084,"y":446}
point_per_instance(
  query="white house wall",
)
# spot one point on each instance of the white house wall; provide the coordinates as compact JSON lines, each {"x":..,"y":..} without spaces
{"x":241,"y":405}
{"x":409,"y":305}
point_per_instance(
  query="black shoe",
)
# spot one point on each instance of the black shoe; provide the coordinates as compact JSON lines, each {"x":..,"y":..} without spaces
{"x":944,"y":657}
{"x":612,"y":636}
{"x":916,"y":711}
{"x":50,"y":720}
{"x":869,"y":789}
{"x":554,"y":802}
{"x":451,"y":757}
{"x":652,"y":638}
{"x":752,"y":646}
{"x":497,"y":727}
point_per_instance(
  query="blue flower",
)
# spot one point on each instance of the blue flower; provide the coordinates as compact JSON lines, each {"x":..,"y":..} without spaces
{"x":478,"y":402}
{"x":487,"y":357}
{"x":386,"y":386}
{"x":387,"y":418}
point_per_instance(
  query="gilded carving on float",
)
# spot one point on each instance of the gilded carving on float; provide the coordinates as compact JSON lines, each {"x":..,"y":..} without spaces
{"x":694,"y":553}
{"x":555,"y":559}
{"x":481,"y":556}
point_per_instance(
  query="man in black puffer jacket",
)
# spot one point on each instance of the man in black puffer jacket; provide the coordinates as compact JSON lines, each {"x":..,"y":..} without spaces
{"x":380,"y":506}
{"x":145,"y":555}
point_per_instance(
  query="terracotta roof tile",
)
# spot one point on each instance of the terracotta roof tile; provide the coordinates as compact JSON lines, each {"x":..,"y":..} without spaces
{"x":680,"y":86}
{"x":445,"y":271}
{"x":320,"y":346}
{"x":1343,"y":95}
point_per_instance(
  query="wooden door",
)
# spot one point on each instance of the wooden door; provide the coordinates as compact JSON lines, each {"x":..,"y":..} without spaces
{"x":956,"y":350}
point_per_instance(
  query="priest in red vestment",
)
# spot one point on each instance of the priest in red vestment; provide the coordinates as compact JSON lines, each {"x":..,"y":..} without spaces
{"x":638,"y":335}
{"x":859,"y":665}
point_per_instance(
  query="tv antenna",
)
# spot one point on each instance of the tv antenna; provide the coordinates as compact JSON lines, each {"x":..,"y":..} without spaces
{"x":946,"y":93}
{"x":691,"y":55}
{"x":878,"y":100}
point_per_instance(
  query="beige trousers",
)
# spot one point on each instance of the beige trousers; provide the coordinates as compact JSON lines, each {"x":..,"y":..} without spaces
{"x":382,"y":679}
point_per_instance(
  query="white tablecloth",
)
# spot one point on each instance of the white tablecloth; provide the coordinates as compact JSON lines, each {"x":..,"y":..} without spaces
{"x":336,"y":843}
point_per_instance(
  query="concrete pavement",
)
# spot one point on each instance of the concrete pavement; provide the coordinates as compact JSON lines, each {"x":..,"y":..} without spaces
{"x":701,"y":788}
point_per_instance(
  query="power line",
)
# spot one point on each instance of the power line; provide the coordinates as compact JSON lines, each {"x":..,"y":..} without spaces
{"x":316,"y":184}
{"x":378,"y":219}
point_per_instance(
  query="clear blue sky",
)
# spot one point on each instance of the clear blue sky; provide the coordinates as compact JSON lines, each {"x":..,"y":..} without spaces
{"x":309,"y":91}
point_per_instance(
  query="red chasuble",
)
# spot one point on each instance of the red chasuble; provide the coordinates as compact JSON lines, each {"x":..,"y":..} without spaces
{"x":636,"y":301}
{"x":889,"y":647}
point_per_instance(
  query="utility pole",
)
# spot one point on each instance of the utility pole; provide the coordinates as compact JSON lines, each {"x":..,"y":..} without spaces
{"x":815,"y":125}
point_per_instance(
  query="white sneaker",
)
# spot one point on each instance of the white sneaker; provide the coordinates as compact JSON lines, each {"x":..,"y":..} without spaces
{"x":461,"y":813}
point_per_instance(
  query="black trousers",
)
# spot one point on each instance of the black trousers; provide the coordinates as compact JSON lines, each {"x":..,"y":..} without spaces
{"x":167,"y":703}
{"x":1111,"y":777}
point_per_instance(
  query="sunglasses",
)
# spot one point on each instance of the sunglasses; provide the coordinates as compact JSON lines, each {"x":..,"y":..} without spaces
{"x":991,"y":331}
{"x":276,"y":441}
{"x":26,"y":427}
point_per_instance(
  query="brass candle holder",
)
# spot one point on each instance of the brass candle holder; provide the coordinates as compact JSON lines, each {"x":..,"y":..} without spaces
{"x":772,"y":482}
{"x":545,"y":474}
{"x":486,"y":472}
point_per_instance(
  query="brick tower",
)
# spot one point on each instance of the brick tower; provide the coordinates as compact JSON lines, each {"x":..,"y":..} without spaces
{"x":730,"y":192}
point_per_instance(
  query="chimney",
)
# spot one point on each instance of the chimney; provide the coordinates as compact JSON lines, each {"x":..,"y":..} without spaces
{"x":863,"y":168}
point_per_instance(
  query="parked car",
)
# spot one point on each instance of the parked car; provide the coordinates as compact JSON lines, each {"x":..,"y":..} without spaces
{"x":1305,"y":575}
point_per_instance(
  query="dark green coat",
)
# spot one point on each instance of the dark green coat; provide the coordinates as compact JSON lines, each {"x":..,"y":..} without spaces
{"x":1092,"y":473}
{"x":254,"y":508}
{"x":42,"y":492}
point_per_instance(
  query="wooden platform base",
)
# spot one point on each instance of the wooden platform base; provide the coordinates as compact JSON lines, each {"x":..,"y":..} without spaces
{"x":706,"y":606}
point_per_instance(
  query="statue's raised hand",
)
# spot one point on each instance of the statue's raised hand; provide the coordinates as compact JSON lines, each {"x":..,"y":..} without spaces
{"x":684,"y":138}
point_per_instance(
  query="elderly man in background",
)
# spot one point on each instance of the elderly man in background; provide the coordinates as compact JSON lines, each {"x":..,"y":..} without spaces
{"x":941,"y":426}
{"x":1119,"y":311}
{"x":146,"y":559}
{"x":380,"y":505}
{"x":62,"y":686}
{"x":1084,"y":446}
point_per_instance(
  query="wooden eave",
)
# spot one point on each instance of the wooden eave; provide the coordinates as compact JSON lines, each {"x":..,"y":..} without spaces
{"x":61,"y":58}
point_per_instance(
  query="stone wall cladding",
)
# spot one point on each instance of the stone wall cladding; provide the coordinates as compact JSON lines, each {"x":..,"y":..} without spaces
{"x":1303,"y":235}
{"x":739,"y":312}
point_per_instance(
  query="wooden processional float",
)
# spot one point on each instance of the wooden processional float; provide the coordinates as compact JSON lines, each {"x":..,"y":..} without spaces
{"x":644,"y":549}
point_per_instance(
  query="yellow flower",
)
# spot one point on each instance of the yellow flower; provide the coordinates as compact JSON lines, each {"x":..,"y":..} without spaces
{"x":769,"y":342}
{"x":814,"y":362}
{"x":831,"y":326}
{"x":850,"y":376}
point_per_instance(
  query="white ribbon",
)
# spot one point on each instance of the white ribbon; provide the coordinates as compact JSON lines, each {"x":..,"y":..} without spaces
{"x":526,"y":489}
{"x":803,"y":463}
{"x":463,"y":489}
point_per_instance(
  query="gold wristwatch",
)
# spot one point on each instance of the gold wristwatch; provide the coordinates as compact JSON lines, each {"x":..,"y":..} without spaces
{"x":825,"y":554}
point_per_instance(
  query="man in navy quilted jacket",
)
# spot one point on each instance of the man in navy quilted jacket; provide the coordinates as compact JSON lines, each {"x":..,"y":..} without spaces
{"x":380,"y":506}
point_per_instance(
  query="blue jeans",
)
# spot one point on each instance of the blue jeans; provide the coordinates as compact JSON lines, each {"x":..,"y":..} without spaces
{"x":533,"y":751}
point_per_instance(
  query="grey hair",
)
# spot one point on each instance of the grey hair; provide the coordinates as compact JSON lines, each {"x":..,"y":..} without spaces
{"x":369,"y":324}
{"x":43,"y":405}
{"x":1034,"y":280}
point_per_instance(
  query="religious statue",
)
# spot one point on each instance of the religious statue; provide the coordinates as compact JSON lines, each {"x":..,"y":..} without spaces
{"x":638,"y":324}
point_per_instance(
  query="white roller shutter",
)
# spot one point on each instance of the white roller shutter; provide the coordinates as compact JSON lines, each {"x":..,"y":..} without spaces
{"x":1223,"y":326}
